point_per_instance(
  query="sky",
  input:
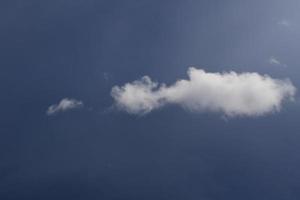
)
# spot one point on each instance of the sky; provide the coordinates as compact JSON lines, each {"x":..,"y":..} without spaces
{"x":140,"y":99}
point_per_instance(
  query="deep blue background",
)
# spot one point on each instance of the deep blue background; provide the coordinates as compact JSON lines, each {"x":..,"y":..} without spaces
{"x":81,"y":48}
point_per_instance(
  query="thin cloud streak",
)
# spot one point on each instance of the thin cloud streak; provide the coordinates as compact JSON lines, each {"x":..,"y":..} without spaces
{"x":64,"y":105}
{"x":275,"y":61}
{"x":284,"y":23}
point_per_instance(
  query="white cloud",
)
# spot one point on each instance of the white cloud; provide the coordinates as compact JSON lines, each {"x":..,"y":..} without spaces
{"x":64,"y":105}
{"x":231,"y":93}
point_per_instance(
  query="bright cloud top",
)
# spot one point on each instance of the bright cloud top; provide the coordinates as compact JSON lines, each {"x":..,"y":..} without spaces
{"x":64,"y":105}
{"x":231,"y":93}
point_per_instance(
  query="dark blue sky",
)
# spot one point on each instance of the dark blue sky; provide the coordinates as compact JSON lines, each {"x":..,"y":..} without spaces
{"x":80,"y":49}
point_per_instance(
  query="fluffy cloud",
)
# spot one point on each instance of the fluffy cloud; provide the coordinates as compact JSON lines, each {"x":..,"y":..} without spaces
{"x":64,"y":105}
{"x":231,"y":93}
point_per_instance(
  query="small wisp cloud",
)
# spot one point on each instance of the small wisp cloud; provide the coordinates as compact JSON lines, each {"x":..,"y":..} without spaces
{"x":284,"y":23}
{"x":230,"y":93}
{"x":274,"y":61}
{"x":65,"y":104}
